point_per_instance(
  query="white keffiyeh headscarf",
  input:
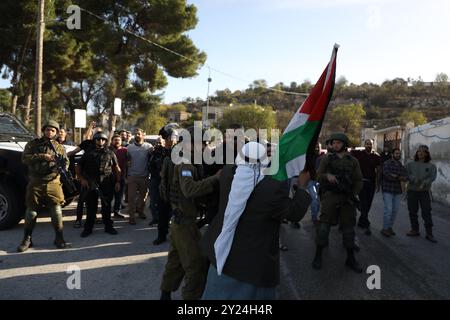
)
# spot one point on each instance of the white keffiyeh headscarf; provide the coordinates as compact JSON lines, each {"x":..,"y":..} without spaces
{"x":250,"y":165}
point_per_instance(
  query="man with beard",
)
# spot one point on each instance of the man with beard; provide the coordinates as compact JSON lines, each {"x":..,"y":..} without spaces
{"x":394,"y":173}
{"x":369,"y":162}
{"x":121,"y":154}
{"x":138,"y":154}
{"x":421,"y":173}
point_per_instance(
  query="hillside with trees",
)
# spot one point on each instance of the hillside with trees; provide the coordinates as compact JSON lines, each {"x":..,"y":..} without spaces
{"x":394,"y":102}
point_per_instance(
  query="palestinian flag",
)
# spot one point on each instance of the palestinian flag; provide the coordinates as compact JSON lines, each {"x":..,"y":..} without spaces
{"x":297,"y":144}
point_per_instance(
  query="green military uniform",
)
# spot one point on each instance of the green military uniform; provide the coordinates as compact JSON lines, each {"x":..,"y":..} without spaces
{"x":185,"y":258}
{"x":338,"y":201}
{"x":44,"y":189}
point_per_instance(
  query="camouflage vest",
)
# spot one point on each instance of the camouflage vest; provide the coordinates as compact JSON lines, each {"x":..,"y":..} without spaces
{"x":41,"y":168}
{"x":342,"y":168}
{"x":98,"y":164}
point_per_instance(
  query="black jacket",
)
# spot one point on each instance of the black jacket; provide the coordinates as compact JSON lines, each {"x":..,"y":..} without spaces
{"x":254,"y":255}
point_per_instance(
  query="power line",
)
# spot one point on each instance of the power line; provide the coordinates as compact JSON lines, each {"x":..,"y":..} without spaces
{"x":187,"y":58}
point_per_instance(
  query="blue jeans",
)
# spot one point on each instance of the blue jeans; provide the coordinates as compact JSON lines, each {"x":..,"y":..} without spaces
{"x":315,"y":205}
{"x":119,"y":195}
{"x":391,"y":205}
{"x":224,"y":287}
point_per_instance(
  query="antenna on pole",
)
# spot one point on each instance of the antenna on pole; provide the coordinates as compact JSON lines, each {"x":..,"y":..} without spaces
{"x":207,"y":97}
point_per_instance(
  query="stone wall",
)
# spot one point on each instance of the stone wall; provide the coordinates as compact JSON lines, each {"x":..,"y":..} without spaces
{"x":436,"y":135}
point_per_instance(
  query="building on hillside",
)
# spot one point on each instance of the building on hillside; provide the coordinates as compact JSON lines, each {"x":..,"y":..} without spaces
{"x":178,"y":116}
{"x":391,"y":137}
{"x":213,"y":114}
{"x":435,"y":135}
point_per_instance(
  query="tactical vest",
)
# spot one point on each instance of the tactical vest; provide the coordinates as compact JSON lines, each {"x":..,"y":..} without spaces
{"x":343,"y":173}
{"x":98,"y":164}
{"x":43,"y":169}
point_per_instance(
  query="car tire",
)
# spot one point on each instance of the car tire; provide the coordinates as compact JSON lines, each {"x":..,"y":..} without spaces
{"x":11,"y":209}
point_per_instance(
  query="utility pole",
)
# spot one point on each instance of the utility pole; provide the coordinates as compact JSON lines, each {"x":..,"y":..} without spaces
{"x":38,"y":74}
{"x":207,"y":99}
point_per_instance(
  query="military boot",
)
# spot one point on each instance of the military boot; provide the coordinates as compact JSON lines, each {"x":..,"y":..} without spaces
{"x":413,"y":233}
{"x":429,"y":235}
{"x":317,"y":262}
{"x":59,"y":240}
{"x":26,"y":242}
{"x":352,"y":263}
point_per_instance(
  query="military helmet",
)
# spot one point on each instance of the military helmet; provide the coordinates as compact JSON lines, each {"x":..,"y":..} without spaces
{"x":339,"y":136}
{"x":100,"y":135}
{"x":51,"y":123}
{"x":168,"y":130}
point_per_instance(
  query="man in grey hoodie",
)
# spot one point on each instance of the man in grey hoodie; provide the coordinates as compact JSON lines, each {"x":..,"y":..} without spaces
{"x":421,"y":173}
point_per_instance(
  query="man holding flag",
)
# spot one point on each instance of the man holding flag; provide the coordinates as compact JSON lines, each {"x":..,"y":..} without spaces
{"x":296,"y":154}
{"x":296,"y":150}
{"x":242,"y":241}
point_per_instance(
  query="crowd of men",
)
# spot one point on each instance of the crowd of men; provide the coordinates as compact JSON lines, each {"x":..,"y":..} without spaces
{"x":237,"y":256}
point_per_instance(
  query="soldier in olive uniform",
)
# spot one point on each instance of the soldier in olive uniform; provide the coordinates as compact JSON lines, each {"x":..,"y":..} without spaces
{"x":96,"y":175}
{"x":185,"y":259}
{"x":340,"y":181}
{"x":161,"y":168}
{"x":44,"y":188}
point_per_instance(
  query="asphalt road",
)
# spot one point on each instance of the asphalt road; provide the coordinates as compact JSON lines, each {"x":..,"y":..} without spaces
{"x":129,"y":266}
{"x":124,"y":266}
{"x":410,"y":268}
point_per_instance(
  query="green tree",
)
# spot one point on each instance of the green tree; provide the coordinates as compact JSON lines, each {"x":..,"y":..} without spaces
{"x":347,"y":119}
{"x":250,"y":116}
{"x":441,"y":77}
{"x":152,"y":123}
{"x":417,"y":117}
{"x":126,"y":56}
{"x":223,"y":97}
{"x":442,"y":84}
{"x":5,"y":100}
{"x":283,"y":118}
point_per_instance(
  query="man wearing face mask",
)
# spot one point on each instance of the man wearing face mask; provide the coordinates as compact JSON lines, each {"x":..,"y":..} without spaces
{"x":96,"y":176}
{"x":44,"y":188}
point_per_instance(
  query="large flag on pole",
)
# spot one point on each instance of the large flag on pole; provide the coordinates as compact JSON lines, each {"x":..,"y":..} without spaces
{"x":298,"y":141}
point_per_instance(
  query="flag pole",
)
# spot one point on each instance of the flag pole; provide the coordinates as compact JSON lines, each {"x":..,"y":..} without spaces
{"x":309,"y":161}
